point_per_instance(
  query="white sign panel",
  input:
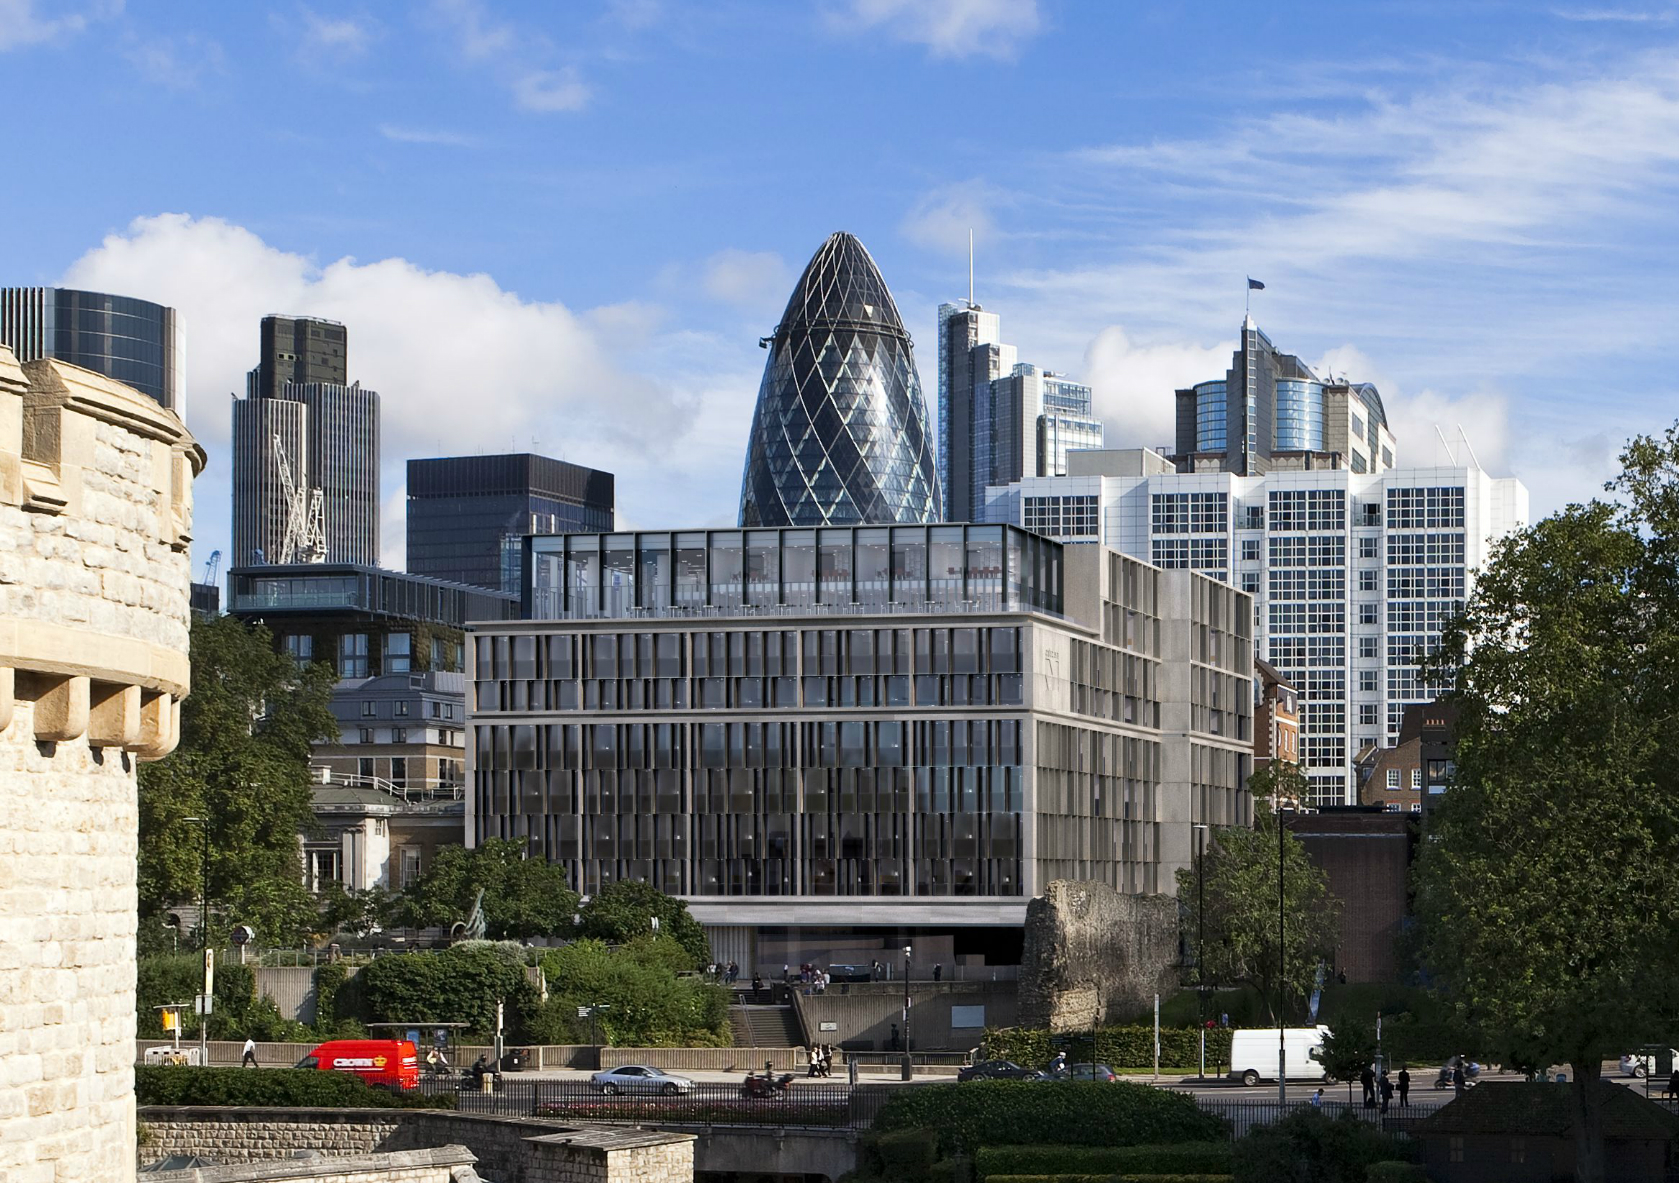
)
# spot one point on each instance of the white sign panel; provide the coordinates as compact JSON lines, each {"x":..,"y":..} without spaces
{"x":967,"y":1016}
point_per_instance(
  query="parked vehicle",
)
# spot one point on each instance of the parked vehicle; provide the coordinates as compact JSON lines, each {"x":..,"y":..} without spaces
{"x":388,"y":1063}
{"x":1471,"y":1070}
{"x":996,"y":1070}
{"x":1077,"y":1072}
{"x":1253,"y":1054}
{"x":850,"y":973}
{"x":763,"y":1087}
{"x":639,"y":1078}
{"x":1642,"y":1063}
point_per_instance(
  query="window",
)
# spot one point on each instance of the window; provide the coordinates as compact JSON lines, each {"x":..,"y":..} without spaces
{"x":442,"y":654}
{"x":1250,"y":549}
{"x":1190,"y":513}
{"x":1250,"y":582}
{"x":1064,"y":517}
{"x":1416,"y":807}
{"x":300,"y":647}
{"x":399,"y":771}
{"x":364,"y":767}
{"x":402,"y":708}
{"x":1368,"y":647}
{"x":1416,"y":780}
{"x":1367,"y":714}
{"x":436,"y":710}
{"x":399,"y":653}
{"x":1367,"y":678}
{"x":1368,"y":613}
{"x":1358,"y":428}
{"x":399,"y":735}
{"x":1369,"y":548}
{"x":1393,"y":778}
{"x":409,"y":865}
{"x":1367,"y":580}
{"x":352,"y":655}
{"x":369,"y":709}
{"x":364,"y":735}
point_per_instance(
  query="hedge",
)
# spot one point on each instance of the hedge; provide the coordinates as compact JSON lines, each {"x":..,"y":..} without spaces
{"x":1308,"y":1146}
{"x":1117,"y":1047}
{"x":303,"y":1088}
{"x":1187,"y":1158}
{"x":1109,"y":1179}
{"x":1016,"y":1113}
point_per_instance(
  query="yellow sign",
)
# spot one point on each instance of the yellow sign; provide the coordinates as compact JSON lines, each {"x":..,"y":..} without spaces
{"x":171,"y":1020}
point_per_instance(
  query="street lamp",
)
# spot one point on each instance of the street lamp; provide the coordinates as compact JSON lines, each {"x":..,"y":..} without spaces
{"x":908,"y":1068}
{"x":1282,"y":968}
{"x":204,"y":947}
{"x":1201,"y":938}
{"x":204,"y":865}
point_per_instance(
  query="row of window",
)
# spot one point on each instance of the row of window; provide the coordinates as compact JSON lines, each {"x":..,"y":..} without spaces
{"x":400,"y":707}
{"x":1063,"y":517}
{"x":368,"y":735}
{"x":1190,"y":513}
{"x":352,"y":659}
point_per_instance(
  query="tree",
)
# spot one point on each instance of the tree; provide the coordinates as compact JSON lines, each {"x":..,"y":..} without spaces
{"x":1544,"y":885}
{"x":242,"y":764}
{"x":523,"y":897}
{"x":643,"y":1000}
{"x":623,"y":911}
{"x":1241,"y":902}
{"x":1348,"y":1049}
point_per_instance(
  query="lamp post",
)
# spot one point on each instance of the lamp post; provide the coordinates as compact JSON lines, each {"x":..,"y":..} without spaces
{"x":204,"y":947}
{"x":908,"y":1064}
{"x":1282,"y":969}
{"x":1201,"y":939}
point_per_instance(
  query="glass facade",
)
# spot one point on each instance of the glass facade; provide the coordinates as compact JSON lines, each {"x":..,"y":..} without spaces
{"x":133,"y":341}
{"x":839,"y":435}
{"x":1211,"y":410}
{"x":832,"y":570}
{"x":1299,"y":415}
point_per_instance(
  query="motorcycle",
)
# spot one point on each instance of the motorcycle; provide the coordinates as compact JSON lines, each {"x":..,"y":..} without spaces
{"x":766,"y":1087}
{"x":1471,"y":1070}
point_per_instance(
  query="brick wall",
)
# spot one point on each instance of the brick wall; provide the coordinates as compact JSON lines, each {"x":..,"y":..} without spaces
{"x":1089,"y":948}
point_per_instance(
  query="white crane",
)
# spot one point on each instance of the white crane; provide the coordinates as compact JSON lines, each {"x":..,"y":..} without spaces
{"x":304,"y":539}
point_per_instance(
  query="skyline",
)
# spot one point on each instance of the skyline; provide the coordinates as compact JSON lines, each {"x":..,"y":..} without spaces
{"x":603,"y":216}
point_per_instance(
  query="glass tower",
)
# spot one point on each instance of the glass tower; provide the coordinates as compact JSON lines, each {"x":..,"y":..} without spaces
{"x":839,"y":436}
{"x":134,"y":341}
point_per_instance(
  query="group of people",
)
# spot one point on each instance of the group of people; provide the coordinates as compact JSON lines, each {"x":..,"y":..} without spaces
{"x":727,"y":974}
{"x":1379,"y":1089}
{"x":821,"y":1060}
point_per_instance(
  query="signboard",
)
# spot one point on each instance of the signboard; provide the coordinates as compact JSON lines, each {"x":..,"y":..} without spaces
{"x":203,"y":1004}
{"x":827,"y":1026}
{"x":583,"y":1012}
{"x":967,"y":1016}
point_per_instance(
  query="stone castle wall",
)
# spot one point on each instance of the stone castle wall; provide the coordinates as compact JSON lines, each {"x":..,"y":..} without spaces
{"x":1095,"y":954}
{"x":95,"y":521}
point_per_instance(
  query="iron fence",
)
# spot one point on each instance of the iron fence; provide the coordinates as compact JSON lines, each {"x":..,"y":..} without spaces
{"x":814,"y":1106}
{"x":1243,"y":1115}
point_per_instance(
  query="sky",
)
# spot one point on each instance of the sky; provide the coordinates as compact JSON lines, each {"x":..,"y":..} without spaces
{"x":564,"y":227}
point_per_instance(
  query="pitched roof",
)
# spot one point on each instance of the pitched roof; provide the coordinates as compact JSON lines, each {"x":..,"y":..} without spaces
{"x":1537,"y":1109}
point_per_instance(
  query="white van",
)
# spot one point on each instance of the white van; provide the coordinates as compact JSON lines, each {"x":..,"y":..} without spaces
{"x":1253,"y":1054}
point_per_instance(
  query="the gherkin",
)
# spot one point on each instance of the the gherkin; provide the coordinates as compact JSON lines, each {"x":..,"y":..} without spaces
{"x":840,"y":432}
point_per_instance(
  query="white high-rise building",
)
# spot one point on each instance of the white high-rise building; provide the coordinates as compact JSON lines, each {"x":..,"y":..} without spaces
{"x":1353,"y":574}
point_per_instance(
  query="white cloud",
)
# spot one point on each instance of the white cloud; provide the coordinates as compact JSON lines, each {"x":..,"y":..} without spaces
{"x":437,"y":137}
{"x":332,"y":36}
{"x":22,"y":24}
{"x":461,"y":366}
{"x":748,"y":279}
{"x":1131,"y":385}
{"x":940,"y":220}
{"x":179,"y":63}
{"x":478,"y":37}
{"x":551,"y":90}
{"x":948,"y":28}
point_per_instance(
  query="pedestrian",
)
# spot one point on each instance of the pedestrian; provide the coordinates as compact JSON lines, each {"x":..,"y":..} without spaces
{"x":897,"y":1040}
{"x":938,"y":970}
{"x":1385,"y":1088}
{"x":1317,"y":1099}
{"x":815,"y":1060}
{"x":250,"y":1056}
{"x":1224,"y":1019}
{"x":786,"y":971}
{"x":1457,"y":1078}
{"x":1059,"y":1064}
{"x":1404,"y":1088}
{"x":874,"y":971}
{"x":480,"y":1069}
{"x":757,"y":983}
{"x":1368,"y":1079}
{"x":1673,"y":1083}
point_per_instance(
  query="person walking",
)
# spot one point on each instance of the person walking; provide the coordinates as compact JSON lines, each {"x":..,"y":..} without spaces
{"x":1317,"y":1099}
{"x":938,"y":970}
{"x":1384,"y":1088}
{"x":815,"y":1061}
{"x":1367,"y":1078}
{"x":1673,"y":1083}
{"x":1059,"y":1064}
{"x":1457,"y":1078}
{"x":1404,"y":1088}
{"x":249,"y":1059}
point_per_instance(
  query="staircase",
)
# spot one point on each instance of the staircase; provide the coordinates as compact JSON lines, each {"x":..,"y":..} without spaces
{"x":765,"y":1026}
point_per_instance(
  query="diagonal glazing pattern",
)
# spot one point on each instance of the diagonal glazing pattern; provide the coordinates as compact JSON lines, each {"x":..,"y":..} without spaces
{"x":839,"y":436}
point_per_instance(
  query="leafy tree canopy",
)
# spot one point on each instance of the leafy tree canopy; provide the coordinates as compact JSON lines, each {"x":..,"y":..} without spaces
{"x":1241,"y":897}
{"x":1544,"y":888}
{"x":242,"y":764}
{"x":523,"y":897}
{"x":643,"y":1000}
{"x":622,"y":912}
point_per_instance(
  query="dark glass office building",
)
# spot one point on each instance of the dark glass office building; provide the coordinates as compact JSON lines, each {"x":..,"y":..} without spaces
{"x":833,"y":740}
{"x":839,"y":436}
{"x":468,"y":515}
{"x":133,"y":341}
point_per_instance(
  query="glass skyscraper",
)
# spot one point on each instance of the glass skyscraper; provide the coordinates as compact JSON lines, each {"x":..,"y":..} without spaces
{"x":840,"y":436}
{"x":133,"y":341}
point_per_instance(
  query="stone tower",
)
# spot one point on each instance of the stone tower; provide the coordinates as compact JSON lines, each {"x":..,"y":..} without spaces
{"x":95,"y":518}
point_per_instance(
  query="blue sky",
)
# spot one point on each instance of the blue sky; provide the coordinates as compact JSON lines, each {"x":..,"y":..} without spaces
{"x":564,"y":226}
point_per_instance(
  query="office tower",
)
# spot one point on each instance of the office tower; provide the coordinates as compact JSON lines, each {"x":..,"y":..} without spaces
{"x":305,"y":452}
{"x":134,"y":341}
{"x":1354,"y":575}
{"x":467,"y":515}
{"x":1271,"y":412}
{"x":839,"y":435}
{"x":1000,"y":420}
{"x":831,"y":741}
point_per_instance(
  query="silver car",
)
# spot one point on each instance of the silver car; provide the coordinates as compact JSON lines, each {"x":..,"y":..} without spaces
{"x":639,"y":1078}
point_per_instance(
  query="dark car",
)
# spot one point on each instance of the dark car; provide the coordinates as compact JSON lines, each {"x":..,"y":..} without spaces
{"x":995,"y":1070}
{"x":850,"y":973}
{"x":1076,"y":1072}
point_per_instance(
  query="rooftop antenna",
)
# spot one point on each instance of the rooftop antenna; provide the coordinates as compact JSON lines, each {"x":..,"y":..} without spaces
{"x":970,"y":266}
{"x":1444,"y":443}
{"x":1464,"y":436}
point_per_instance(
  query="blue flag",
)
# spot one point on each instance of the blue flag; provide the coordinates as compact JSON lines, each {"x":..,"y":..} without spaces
{"x":1254,"y":285}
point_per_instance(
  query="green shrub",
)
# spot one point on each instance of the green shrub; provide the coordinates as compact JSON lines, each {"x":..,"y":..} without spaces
{"x":1109,"y":1179}
{"x":905,"y":1154}
{"x":460,"y":984}
{"x":1118,"y":1047}
{"x":645,"y":1003}
{"x":1012,"y":1113}
{"x":305,"y":1088}
{"x":1309,"y":1147}
{"x":171,"y":978}
{"x":1184,"y":1158}
{"x":1395,"y":1172}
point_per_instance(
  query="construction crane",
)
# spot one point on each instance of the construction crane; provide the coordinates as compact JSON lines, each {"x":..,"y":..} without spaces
{"x":304,"y":538}
{"x":212,"y":566}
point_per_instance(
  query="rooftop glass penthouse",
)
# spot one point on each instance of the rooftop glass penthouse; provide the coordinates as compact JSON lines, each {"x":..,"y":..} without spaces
{"x":849,"y":569}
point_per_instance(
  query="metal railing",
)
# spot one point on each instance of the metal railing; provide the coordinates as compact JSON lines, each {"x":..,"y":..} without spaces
{"x":1243,"y":1115}
{"x":544,"y":609}
{"x":812,"y":1106}
{"x":414,"y":791}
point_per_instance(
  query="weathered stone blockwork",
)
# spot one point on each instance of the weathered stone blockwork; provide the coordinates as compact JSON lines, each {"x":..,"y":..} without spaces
{"x":95,"y":519}
{"x":1090,"y":949}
